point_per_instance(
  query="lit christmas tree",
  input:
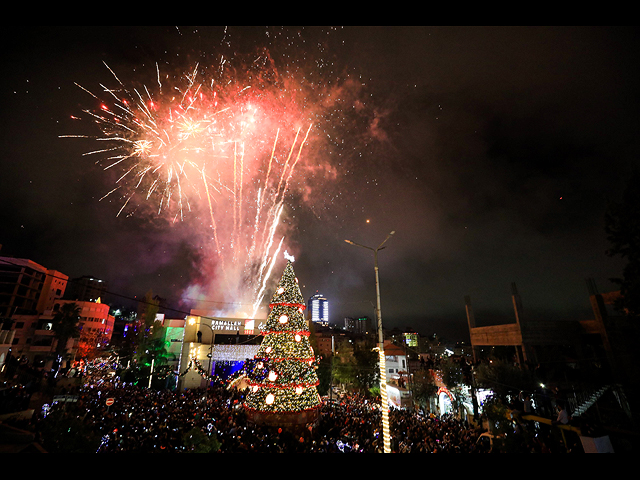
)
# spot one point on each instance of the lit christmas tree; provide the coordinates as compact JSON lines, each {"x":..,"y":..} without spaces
{"x":282,"y":385}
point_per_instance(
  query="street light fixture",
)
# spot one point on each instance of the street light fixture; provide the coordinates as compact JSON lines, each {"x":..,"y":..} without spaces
{"x":383,"y":374}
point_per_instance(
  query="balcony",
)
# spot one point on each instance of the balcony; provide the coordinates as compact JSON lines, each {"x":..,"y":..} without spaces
{"x":44,"y":333}
{"x":40,"y":348}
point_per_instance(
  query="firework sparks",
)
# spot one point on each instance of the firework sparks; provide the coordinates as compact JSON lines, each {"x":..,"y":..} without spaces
{"x":213,"y":148}
{"x":225,"y":145}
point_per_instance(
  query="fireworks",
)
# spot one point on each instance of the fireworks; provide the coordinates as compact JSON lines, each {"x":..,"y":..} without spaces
{"x":216,"y":148}
{"x":221,"y":143}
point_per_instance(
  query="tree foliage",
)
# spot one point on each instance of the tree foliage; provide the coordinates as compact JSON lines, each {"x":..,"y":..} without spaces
{"x":324,"y":375}
{"x":152,"y":344}
{"x":497,"y":413}
{"x":344,"y":363}
{"x":65,"y":325}
{"x":424,"y":388}
{"x":367,"y":363}
{"x":622,"y":226}
{"x":65,"y":432}
{"x":453,"y":376}
{"x":503,"y":378}
{"x":145,"y":343}
{"x":356,"y":366}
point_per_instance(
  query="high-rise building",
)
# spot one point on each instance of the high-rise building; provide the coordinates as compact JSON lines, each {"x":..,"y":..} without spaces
{"x":85,"y":289}
{"x":318,"y":307}
{"x":360,"y":325}
{"x":27,"y":288}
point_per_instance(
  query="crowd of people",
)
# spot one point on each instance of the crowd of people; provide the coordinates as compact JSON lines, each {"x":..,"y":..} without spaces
{"x":141,"y":420}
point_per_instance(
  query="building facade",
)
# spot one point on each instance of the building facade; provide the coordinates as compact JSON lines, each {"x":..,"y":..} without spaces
{"x":324,"y":343}
{"x":215,"y":346}
{"x":28,"y":288}
{"x":318,"y":309}
{"x":360,"y":325}
{"x":30,"y":297}
{"x":395,"y":360}
{"x":85,"y":289}
{"x":34,"y":341}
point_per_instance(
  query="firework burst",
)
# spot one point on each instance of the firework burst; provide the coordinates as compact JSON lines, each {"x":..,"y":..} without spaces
{"x":216,"y":143}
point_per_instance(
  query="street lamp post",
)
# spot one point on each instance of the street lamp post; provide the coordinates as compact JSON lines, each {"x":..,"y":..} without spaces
{"x":383,"y":374}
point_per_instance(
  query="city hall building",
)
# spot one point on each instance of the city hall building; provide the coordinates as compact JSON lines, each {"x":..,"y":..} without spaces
{"x":215,"y":345}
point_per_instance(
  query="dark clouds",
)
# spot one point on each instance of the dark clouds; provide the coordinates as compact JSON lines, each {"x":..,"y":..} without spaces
{"x":496,"y":151}
{"x":506,"y":145}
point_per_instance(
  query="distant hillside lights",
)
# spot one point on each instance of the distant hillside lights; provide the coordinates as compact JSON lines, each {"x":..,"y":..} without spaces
{"x":318,"y":306}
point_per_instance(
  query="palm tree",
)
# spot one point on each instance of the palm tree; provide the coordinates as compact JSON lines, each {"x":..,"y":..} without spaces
{"x":65,"y":325}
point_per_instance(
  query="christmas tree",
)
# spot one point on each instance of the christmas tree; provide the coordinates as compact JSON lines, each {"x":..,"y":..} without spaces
{"x":282,"y":385}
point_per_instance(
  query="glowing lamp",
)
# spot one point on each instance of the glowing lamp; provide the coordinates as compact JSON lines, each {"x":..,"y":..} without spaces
{"x":268,"y":350}
{"x":298,"y":337}
{"x":280,"y":290}
{"x":272,"y":376}
{"x":283,"y":319}
{"x":270,"y":398}
{"x":298,"y":390}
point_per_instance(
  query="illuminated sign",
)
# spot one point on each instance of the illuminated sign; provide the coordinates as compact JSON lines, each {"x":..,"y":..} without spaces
{"x":218,"y":324}
{"x":247,"y":326}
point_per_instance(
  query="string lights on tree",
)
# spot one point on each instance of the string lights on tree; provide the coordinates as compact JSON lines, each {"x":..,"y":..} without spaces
{"x":282,"y":384}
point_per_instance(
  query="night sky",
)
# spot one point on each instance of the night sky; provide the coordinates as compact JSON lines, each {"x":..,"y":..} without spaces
{"x":491,"y":152}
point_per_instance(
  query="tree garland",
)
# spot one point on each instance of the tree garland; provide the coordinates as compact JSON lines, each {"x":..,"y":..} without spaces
{"x":283,"y":377}
{"x":195,"y":364}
